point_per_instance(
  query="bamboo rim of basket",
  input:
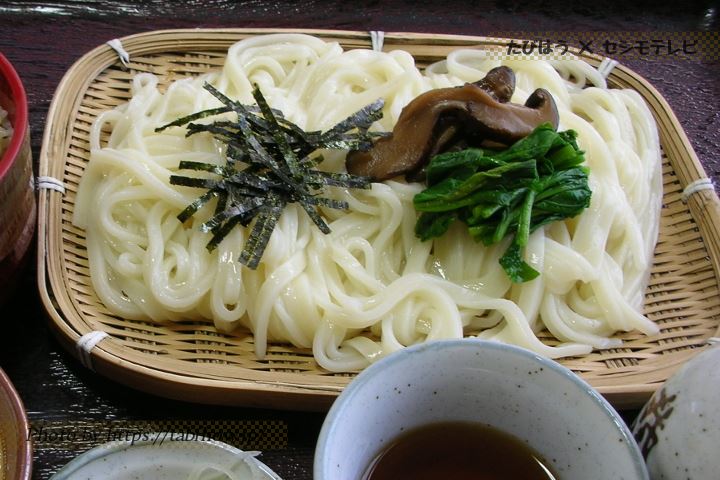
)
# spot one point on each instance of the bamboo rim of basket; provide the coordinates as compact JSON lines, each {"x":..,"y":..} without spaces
{"x":267,"y":388}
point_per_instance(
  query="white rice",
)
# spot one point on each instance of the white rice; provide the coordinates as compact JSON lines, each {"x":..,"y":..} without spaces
{"x":6,"y":131}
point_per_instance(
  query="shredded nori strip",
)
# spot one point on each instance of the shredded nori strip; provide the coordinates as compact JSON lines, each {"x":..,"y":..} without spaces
{"x":261,"y":231}
{"x":270,"y":162}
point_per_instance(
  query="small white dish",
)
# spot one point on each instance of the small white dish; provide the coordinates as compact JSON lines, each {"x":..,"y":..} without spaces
{"x":532,"y":398}
{"x":160,"y":457}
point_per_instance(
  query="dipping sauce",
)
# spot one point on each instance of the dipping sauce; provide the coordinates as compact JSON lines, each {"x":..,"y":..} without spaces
{"x":460,"y":451}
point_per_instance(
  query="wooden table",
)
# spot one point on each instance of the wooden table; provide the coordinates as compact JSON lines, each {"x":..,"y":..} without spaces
{"x":44,"y":39}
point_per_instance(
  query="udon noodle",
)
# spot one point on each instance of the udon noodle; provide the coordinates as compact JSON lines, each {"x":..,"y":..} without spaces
{"x":6,"y":131}
{"x":370,"y":287}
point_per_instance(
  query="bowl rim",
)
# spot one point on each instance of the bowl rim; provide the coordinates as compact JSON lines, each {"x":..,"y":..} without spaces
{"x":24,"y":459}
{"x":338,"y":407}
{"x":20,"y":123}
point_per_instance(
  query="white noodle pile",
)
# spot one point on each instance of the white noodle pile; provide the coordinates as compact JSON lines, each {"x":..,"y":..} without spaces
{"x":370,"y":287}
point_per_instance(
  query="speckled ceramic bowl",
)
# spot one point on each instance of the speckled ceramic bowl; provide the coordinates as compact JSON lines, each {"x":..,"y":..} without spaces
{"x":537,"y":400}
{"x":678,"y":430}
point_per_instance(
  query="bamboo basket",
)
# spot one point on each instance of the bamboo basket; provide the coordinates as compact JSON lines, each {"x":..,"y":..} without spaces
{"x":192,"y":361}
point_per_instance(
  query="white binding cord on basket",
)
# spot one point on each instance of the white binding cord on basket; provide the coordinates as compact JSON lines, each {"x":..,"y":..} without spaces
{"x":606,"y":67}
{"x":116,"y":45}
{"x":86,"y":343}
{"x":49,"y":183}
{"x":713,"y":340}
{"x":696,"y":186}
{"x":377,"y":38}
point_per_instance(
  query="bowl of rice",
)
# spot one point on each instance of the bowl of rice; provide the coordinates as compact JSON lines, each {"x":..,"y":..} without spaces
{"x":16,"y":451}
{"x":17,"y":195}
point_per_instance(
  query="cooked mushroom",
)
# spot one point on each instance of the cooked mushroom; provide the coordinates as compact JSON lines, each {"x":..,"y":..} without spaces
{"x":429,"y":123}
{"x":499,"y":83}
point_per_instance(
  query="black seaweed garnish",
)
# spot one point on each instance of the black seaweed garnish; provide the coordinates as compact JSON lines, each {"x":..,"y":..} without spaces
{"x":270,"y":162}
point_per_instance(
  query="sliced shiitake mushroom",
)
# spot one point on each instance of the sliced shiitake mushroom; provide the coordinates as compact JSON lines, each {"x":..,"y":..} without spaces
{"x":479,"y":111}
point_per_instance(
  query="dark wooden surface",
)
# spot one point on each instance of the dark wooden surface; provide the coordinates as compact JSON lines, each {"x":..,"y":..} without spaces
{"x":43,"y":39}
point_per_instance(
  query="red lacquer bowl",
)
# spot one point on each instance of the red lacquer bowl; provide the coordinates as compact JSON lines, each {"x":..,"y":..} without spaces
{"x":17,"y":193}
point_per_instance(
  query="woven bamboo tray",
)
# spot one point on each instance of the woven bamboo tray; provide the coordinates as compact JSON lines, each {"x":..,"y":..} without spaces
{"x":192,"y":361}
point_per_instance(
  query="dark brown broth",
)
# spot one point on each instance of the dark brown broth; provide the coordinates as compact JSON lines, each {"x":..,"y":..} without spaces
{"x":458,"y":451}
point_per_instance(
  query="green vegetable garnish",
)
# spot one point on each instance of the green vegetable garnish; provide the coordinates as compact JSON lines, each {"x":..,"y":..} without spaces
{"x":270,"y":162}
{"x":536,"y":181}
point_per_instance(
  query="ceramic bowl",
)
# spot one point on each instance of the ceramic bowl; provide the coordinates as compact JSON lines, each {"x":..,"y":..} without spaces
{"x":511,"y":389}
{"x":15,"y":448}
{"x":678,"y":429}
{"x":17,"y":193}
{"x":165,"y":456}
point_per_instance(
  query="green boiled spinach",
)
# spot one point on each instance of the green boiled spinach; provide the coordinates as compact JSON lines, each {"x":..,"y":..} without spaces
{"x":538,"y":180}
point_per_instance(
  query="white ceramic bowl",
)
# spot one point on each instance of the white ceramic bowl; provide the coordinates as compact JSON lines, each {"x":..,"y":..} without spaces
{"x":161,"y":457}
{"x":566,"y":421}
{"x":679,"y":428}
